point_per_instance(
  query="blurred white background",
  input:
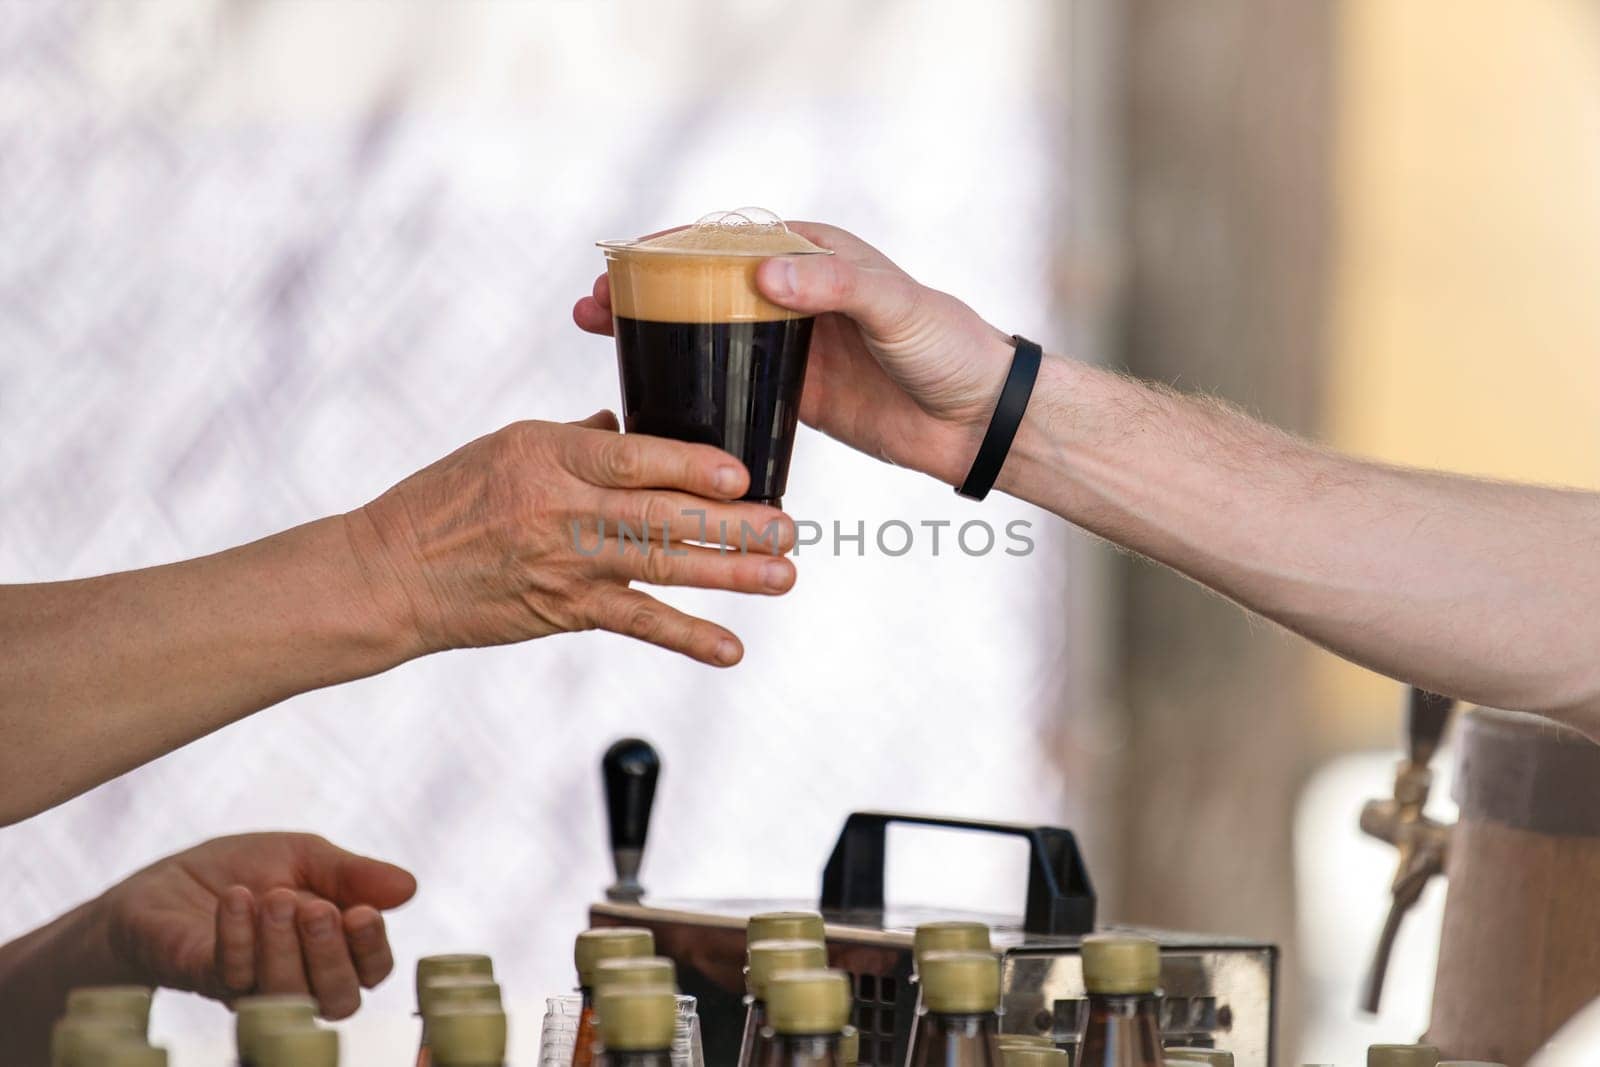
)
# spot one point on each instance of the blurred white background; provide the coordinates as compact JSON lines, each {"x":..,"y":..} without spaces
{"x":258,"y":261}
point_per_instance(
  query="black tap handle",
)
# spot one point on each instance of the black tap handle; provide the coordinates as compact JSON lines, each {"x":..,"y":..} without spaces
{"x":630,"y":767}
{"x":1427,"y":716}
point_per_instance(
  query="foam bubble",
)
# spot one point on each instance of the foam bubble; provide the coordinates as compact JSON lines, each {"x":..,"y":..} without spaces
{"x":747,"y":231}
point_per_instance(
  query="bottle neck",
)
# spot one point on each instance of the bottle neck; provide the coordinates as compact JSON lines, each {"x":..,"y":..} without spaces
{"x":1122,"y":1029}
{"x":804,"y":1050}
{"x":956,"y":1039}
{"x":1125,"y":1005}
{"x":752,"y":1042}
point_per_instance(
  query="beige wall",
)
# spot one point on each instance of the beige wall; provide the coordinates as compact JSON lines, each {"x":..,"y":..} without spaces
{"x":1466,"y":311}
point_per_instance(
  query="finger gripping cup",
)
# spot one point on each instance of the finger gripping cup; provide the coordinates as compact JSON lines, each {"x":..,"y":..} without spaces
{"x":703,"y":356}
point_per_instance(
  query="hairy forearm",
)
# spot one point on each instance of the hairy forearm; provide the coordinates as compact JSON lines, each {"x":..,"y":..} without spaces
{"x":38,"y":969}
{"x":101,"y":675}
{"x":1476,"y":589}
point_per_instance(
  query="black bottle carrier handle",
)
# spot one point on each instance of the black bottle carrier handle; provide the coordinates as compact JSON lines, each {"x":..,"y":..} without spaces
{"x":1060,"y":899}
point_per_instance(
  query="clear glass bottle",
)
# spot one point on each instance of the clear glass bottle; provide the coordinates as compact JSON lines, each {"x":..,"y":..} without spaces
{"x":1402,"y":1056}
{"x":958,"y":1026}
{"x":298,"y":1046}
{"x":1123,"y":977}
{"x":637,"y":1025}
{"x":765,"y":959}
{"x":592,"y":946}
{"x":450,"y":965}
{"x":254,"y":1016}
{"x":807,"y":1013}
{"x":469,"y":1035}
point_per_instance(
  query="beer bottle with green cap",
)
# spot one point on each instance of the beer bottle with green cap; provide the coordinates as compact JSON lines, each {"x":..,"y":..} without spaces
{"x":807,"y":1012}
{"x":127,"y":1054}
{"x":1014,"y":1055}
{"x":298,"y":1046}
{"x":448,"y":965}
{"x":958,"y":1026}
{"x":767,"y":958}
{"x":1402,"y":1056}
{"x":784,"y":926}
{"x":653,"y":971}
{"x":1202,"y":1057}
{"x":592,"y":946}
{"x":1123,"y":976}
{"x":254,"y":1016}
{"x":458,"y":989}
{"x":74,"y":1040}
{"x":469,"y":1035}
{"x":637,"y":1024}
{"x":127,"y":1002}
{"x":948,"y":936}
{"x":850,"y":1046}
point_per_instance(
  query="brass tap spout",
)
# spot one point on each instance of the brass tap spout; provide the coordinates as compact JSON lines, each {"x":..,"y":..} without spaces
{"x":1422,"y":843}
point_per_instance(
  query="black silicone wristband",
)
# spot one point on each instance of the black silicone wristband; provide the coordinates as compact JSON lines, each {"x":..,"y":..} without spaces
{"x":1008,"y":412}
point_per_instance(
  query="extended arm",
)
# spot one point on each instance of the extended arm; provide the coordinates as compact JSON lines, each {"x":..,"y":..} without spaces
{"x":484,"y":547}
{"x":1479,"y":590}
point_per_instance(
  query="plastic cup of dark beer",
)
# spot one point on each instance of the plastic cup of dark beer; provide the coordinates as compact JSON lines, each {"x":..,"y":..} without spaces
{"x":703,"y":356}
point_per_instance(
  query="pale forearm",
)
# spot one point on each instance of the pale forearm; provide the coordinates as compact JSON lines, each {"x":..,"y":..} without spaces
{"x":1476,"y":589}
{"x":104,"y":674}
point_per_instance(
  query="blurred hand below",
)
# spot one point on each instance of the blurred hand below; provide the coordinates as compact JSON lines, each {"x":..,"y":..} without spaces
{"x":258,"y":913}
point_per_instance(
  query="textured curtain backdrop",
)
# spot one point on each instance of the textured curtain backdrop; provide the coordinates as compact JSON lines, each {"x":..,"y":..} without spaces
{"x":260,"y":261}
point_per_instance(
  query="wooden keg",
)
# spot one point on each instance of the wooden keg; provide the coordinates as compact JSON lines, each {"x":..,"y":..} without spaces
{"x":1520,"y":949}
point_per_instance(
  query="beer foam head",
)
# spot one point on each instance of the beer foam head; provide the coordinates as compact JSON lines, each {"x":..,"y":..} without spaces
{"x":747,"y":231}
{"x":705,"y":272}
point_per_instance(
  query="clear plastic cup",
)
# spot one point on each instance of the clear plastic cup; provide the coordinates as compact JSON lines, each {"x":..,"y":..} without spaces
{"x":703,"y":356}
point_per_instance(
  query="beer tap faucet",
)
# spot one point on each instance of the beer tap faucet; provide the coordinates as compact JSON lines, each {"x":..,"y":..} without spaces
{"x":630,"y":769}
{"x":1421,"y":842}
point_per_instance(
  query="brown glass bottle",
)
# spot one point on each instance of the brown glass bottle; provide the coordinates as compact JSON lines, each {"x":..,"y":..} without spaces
{"x":1123,"y":977}
{"x":601,"y":943}
{"x":451,"y":965}
{"x":958,"y":1027}
{"x":807,"y":1012}
{"x":767,"y":958}
{"x":948,"y":936}
{"x":637,"y":1024}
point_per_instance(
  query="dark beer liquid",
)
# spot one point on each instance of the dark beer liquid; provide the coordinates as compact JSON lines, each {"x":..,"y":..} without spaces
{"x":735,"y":385}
